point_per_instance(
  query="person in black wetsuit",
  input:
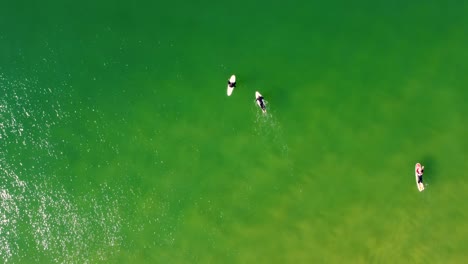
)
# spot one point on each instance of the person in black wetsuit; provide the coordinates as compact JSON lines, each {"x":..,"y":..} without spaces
{"x":261,"y":103}
{"x":231,"y":84}
{"x":420,"y":173}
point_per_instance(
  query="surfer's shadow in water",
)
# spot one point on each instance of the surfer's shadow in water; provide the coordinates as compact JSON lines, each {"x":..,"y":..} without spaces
{"x":430,"y":170}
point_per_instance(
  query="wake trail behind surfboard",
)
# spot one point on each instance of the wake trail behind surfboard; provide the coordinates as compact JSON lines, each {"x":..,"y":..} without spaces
{"x":268,"y":128}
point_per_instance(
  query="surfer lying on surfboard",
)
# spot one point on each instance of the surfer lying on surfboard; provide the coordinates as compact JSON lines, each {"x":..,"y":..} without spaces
{"x":260,"y":102}
{"x":231,"y":85}
{"x":232,"y":81}
{"x":419,"y":172}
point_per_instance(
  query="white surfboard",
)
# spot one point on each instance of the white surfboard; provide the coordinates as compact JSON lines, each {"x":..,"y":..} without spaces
{"x":419,"y":185}
{"x":257,"y":96}
{"x":231,"y":85}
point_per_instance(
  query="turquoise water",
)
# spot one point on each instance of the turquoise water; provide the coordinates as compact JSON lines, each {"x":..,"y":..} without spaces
{"x":119,"y":144}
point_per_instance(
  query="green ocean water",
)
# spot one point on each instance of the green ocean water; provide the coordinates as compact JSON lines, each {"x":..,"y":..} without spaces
{"x":119,"y":144}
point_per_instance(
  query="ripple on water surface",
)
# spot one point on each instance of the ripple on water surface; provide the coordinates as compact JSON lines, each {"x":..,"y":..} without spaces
{"x":39,"y":220}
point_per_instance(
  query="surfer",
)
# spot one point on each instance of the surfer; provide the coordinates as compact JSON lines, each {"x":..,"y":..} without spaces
{"x":260,"y":102}
{"x":419,"y":172}
{"x":233,"y":83}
